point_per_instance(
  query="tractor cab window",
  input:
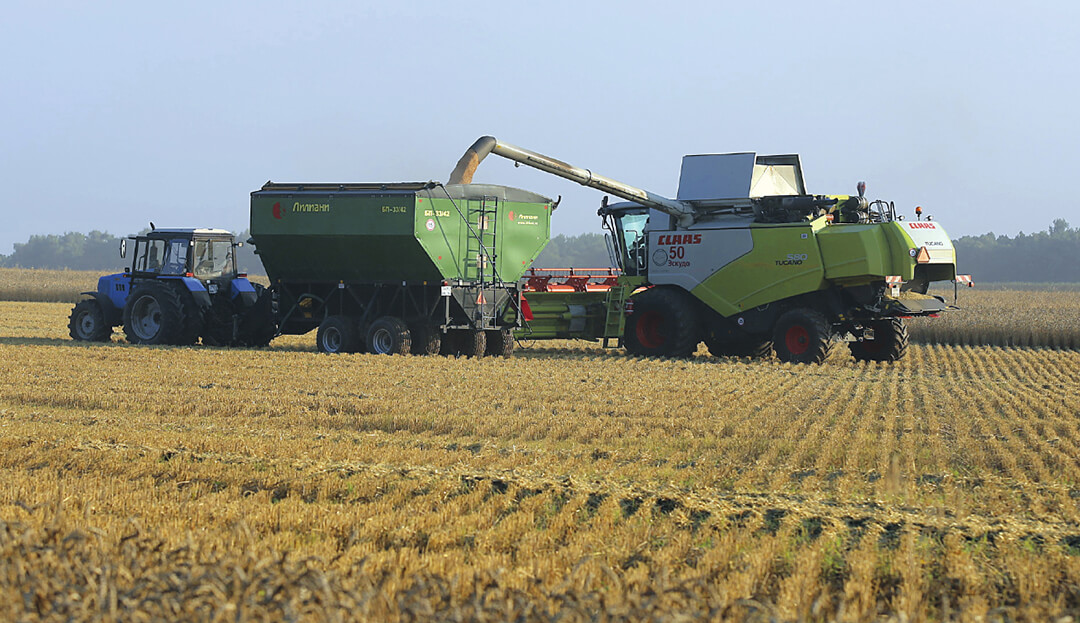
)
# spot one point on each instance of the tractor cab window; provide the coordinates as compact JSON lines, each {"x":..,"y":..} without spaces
{"x":633,"y":242}
{"x":213,"y":259}
{"x":149,"y":256}
{"x":176,"y":257}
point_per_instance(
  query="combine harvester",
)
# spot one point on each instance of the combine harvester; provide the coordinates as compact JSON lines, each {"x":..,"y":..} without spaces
{"x":745,"y":260}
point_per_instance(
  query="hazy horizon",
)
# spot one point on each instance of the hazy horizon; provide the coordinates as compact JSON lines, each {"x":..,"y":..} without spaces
{"x":121,"y":114}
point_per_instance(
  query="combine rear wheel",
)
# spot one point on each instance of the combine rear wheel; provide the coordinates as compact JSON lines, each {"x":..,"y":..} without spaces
{"x":157,"y":314}
{"x":802,"y":335}
{"x":889,"y":343}
{"x":389,"y":336}
{"x":500,"y":343}
{"x":664,"y":323}
{"x":87,"y":322}
{"x":337,"y":334}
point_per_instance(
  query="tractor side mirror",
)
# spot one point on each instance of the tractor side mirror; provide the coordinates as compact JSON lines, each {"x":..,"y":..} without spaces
{"x":123,"y":248}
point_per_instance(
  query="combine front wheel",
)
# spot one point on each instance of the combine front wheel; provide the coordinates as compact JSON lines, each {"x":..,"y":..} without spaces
{"x":802,"y":335}
{"x":889,"y":343}
{"x":664,"y":323}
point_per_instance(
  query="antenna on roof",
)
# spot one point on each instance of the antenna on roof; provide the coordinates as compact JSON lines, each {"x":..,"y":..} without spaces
{"x":152,"y":228}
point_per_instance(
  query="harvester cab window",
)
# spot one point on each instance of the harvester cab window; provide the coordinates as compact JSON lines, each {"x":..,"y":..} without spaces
{"x":213,"y":259}
{"x":148,"y":256}
{"x":176,"y":257}
{"x":634,"y":242}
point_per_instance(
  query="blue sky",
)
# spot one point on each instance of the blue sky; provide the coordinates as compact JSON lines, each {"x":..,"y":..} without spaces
{"x":115,"y":114}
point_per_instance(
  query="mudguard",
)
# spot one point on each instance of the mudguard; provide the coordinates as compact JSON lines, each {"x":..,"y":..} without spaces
{"x":195,"y":287}
{"x":242,"y":289}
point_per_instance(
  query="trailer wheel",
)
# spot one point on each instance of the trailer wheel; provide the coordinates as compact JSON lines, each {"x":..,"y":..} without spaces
{"x":500,"y":343}
{"x":664,"y":323}
{"x":449,"y":343}
{"x":257,"y":326}
{"x":87,"y":322}
{"x":389,"y":336}
{"x":472,"y":342}
{"x":889,"y":344}
{"x":802,"y":335}
{"x":426,"y":338}
{"x":337,"y":334}
{"x":157,"y":314}
{"x":218,"y":324}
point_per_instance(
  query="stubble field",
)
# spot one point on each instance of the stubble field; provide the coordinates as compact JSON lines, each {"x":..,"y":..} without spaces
{"x":564,"y":483}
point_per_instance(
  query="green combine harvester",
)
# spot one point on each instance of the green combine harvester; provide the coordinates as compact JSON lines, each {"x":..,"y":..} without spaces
{"x":744,"y":259}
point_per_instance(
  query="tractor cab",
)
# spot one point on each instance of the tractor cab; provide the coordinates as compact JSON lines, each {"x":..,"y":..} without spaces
{"x":207,"y":255}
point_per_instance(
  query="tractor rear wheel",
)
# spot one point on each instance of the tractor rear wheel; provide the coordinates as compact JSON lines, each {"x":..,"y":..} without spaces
{"x":87,"y":322}
{"x":889,"y":344}
{"x":664,"y":323}
{"x":500,"y":343}
{"x":802,"y":335}
{"x":156,"y":313}
{"x":337,"y":334}
{"x":426,"y":338}
{"x":389,"y":336}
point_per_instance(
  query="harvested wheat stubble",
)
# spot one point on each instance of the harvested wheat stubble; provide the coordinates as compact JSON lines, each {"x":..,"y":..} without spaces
{"x":200,"y":483}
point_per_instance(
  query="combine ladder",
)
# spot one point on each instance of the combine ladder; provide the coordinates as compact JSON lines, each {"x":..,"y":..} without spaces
{"x":614,"y":318}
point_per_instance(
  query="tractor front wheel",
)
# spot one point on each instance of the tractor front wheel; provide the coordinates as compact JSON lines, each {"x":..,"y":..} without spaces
{"x":802,"y":335}
{"x":664,"y":323}
{"x":389,"y":336}
{"x":87,"y":322}
{"x":889,"y":344}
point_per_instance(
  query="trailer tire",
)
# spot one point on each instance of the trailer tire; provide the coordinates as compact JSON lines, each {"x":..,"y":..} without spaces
{"x":337,"y":334}
{"x":472,"y":342}
{"x":389,"y":336}
{"x":449,"y":343}
{"x":889,"y":344}
{"x":802,"y":335}
{"x":500,"y":343}
{"x":87,"y":322}
{"x":218,"y":324}
{"x":158,"y":314}
{"x":426,"y":338}
{"x":664,"y":323}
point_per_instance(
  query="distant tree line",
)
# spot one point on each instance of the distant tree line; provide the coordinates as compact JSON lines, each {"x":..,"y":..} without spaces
{"x":1046,"y":256}
{"x":94,"y":251}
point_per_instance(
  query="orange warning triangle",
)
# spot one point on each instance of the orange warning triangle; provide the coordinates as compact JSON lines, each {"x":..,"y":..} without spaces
{"x":480,"y":300}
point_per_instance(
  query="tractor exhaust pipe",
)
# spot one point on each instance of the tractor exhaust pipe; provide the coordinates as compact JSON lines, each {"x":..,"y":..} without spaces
{"x":466,"y":167}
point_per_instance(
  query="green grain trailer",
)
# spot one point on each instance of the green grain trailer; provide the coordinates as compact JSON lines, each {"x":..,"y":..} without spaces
{"x":399,"y":267}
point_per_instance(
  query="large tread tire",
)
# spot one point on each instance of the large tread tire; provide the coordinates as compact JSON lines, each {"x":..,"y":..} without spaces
{"x":156,"y":313}
{"x":802,"y":335}
{"x":87,"y":322}
{"x":472,"y":342}
{"x":664,"y":323}
{"x":257,"y":326}
{"x":389,"y":336}
{"x":449,"y":343}
{"x":337,"y":334}
{"x":218,"y":324}
{"x":426,"y":338}
{"x":500,"y":343}
{"x":889,"y":344}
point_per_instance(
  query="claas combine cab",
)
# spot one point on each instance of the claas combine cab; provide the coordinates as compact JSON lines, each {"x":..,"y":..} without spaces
{"x":744,"y":259}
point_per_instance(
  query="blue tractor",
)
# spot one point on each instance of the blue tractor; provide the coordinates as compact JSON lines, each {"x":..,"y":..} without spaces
{"x":183,"y":285}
